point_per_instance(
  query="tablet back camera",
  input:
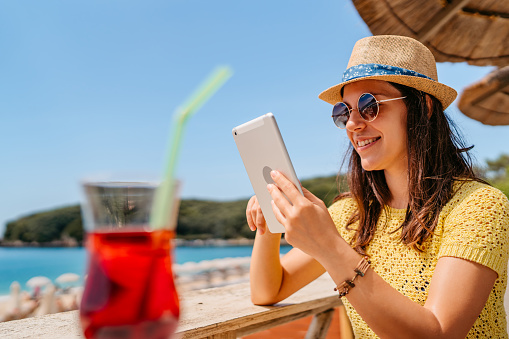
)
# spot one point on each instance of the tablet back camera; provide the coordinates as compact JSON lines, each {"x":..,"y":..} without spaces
{"x":266,"y":175}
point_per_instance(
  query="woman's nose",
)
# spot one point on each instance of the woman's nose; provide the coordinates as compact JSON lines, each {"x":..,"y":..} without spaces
{"x":355,"y":122}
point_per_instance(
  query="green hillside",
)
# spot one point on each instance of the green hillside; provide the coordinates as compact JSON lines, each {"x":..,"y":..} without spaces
{"x":198,"y":219}
{"x":47,"y":226}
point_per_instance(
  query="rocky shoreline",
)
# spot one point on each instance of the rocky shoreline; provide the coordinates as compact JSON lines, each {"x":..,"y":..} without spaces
{"x":178,"y":242}
{"x":54,"y":243}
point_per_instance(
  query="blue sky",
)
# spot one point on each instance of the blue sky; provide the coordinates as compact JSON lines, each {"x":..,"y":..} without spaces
{"x":90,"y":87}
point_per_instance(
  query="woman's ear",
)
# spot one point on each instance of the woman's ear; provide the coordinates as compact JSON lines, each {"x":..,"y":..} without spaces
{"x":429,"y":103}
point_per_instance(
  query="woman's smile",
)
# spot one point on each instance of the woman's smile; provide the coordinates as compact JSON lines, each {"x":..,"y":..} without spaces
{"x":363,"y":144}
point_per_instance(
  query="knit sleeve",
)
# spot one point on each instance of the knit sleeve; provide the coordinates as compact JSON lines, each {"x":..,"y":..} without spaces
{"x":477,"y":229}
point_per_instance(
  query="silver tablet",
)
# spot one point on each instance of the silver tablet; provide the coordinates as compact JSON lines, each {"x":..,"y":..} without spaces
{"x":262,"y":150}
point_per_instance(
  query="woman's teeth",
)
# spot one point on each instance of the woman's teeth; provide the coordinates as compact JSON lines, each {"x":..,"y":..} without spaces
{"x":366,"y":142}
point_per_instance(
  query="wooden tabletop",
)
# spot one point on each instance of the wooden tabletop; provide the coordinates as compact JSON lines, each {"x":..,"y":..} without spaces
{"x":218,"y":312}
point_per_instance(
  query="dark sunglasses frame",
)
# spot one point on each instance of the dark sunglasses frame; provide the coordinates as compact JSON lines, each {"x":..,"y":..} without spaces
{"x":341,"y":110}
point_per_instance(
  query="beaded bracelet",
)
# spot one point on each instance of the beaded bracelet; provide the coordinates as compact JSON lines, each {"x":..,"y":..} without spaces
{"x":360,"y":270}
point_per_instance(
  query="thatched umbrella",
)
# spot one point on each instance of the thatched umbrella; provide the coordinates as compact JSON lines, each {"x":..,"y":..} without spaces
{"x":488,"y":100}
{"x":475,"y":31}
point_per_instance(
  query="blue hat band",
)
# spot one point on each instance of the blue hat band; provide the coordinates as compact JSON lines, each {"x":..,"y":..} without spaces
{"x":367,"y":70}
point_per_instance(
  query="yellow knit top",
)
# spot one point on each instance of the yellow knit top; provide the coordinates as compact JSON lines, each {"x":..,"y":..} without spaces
{"x":474,"y":225}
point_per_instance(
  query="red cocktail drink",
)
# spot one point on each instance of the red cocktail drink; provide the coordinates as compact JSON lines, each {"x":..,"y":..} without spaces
{"x":130,"y":291}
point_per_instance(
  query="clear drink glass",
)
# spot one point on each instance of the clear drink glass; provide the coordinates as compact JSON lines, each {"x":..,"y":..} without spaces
{"x":129,"y":290}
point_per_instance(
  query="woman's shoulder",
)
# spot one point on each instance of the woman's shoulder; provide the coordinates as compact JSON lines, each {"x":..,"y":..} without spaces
{"x":476,"y":225}
{"x":471,"y":190}
{"x":477,"y":200}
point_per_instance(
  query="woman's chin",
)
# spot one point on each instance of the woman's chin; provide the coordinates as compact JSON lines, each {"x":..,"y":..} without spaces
{"x":367,"y":166}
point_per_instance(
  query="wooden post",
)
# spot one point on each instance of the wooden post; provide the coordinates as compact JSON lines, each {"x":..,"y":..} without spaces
{"x":320,"y":325}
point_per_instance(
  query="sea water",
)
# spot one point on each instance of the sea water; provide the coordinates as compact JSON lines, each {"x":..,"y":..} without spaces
{"x":21,"y":264}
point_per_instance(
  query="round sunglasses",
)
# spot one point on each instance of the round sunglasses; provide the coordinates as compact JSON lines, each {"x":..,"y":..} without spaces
{"x":367,"y":106}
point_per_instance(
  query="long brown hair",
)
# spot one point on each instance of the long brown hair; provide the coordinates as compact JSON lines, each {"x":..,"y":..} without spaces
{"x":436,"y":157}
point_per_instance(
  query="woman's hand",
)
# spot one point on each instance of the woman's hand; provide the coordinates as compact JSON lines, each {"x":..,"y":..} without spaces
{"x":254,"y":216}
{"x":308,"y":224}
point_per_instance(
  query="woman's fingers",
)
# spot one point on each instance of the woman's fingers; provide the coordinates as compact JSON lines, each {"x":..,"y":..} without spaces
{"x":277,"y":212}
{"x":254,"y":216}
{"x":249,"y":213}
{"x":259,"y":217}
{"x":286,"y":186}
{"x":260,"y":220}
{"x":279,"y":199}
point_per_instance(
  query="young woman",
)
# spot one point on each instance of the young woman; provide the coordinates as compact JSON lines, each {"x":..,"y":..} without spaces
{"x":419,"y":246}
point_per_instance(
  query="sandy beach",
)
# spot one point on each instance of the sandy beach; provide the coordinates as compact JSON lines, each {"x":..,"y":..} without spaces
{"x":52,"y":297}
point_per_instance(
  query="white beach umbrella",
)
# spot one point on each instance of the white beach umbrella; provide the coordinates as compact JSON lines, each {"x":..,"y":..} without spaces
{"x":38,"y":281}
{"x":68,"y":278}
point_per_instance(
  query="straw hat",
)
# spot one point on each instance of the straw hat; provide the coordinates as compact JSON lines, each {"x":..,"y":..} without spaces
{"x":398,"y":59}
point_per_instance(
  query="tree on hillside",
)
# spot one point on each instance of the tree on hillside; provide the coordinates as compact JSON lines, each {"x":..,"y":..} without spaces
{"x":498,"y":173}
{"x":499,"y":168}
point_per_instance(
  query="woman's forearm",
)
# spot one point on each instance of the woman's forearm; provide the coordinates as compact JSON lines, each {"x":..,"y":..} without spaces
{"x":266,"y":272}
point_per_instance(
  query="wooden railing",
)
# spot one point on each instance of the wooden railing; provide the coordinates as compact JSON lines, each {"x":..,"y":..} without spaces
{"x":224,"y":312}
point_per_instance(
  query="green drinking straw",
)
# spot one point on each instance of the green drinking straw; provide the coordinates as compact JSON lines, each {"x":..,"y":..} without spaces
{"x":163,"y":201}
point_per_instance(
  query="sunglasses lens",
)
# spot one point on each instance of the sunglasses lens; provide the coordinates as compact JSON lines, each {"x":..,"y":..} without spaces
{"x":368,"y":107}
{"x":340,"y":114}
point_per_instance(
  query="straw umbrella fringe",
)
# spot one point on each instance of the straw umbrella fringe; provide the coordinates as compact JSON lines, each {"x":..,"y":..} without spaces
{"x":488,"y":100}
{"x":454,"y":30}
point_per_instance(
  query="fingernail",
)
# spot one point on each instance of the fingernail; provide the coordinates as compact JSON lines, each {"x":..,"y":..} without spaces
{"x":273,"y":174}
{"x":269,"y":187}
